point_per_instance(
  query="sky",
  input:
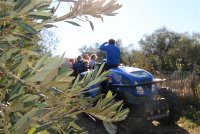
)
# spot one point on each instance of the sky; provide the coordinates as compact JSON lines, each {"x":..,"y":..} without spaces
{"x":135,"y":19}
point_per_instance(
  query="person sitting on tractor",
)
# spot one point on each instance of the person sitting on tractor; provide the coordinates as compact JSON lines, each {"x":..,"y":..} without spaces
{"x":112,"y":54}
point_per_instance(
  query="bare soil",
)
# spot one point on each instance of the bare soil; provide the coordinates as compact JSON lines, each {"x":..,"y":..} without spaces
{"x":183,"y":126}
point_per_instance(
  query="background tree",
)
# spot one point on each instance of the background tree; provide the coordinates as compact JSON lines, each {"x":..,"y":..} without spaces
{"x":49,"y":41}
{"x":158,"y":44}
{"x":93,"y":49}
{"x":162,"y":50}
{"x":170,"y":50}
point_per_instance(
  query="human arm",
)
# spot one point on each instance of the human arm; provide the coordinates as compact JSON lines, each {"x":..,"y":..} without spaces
{"x":102,"y":47}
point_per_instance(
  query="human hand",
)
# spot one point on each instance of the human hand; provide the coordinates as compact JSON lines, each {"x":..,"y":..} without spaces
{"x":105,"y":42}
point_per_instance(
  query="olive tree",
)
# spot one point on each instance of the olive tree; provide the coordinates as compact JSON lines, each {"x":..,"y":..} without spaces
{"x":37,"y":93}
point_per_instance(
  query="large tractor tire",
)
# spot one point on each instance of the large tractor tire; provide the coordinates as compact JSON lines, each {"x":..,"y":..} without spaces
{"x":175,"y":108}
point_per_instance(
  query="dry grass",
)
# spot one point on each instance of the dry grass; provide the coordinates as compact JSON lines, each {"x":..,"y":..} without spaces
{"x":191,"y":127}
{"x":183,"y":126}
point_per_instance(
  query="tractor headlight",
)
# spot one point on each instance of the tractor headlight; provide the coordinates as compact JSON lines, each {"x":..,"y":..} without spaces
{"x":139,"y":90}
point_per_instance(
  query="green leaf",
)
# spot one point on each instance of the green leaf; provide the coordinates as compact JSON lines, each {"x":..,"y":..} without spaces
{"x":26,"y":120}
{"x":111,"y":14}
{"x":91,"y":25}
{"x":32,"y":131}
{"x":22,"y":36}
{"x":122,"y":114}
{"x":100,"y":70}
{"x":16,"y":95}
{"x":16,"y":88}
{"x":109,"y":4}
{"x":40,"y":62}
{"x":111,"y":108}
{"x":24,"y":4}
{"x":23,"y":64}
{"x":40,"y":15}
{"x":74,"y":125}
{"x":43,"y":7}
{"x":49,"y":25}
{"x":29,"y":97}
{"x":103,"y":102}
{"x":105,"y":74}
{"x":109,"y":94}
{"x":44,"y":127}
{"x":88,"y":77}
{"x":73,"y":23}
{"x":7,"y":55}
{"x":3,"y":80}
{"x":95,"y":81}
{"x":47,"y":73}
{"x":35,"y":104}
{"x":26,"y":27}
{"x":18,"y":4}
{"x":32,"y":5}
{"x":11,"y":38}
{"x":29,"y":52}
{"x":111,"y":114}
{"x":4,"y":14}
{"x":76,"y":81}
{"x":43,"y":77}
{"x":14,"y":107}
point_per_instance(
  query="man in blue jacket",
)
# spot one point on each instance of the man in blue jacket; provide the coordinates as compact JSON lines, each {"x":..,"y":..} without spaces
{"x":112,"y":54}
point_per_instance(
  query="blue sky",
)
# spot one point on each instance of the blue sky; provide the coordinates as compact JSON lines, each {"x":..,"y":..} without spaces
{"x":135,"y":19}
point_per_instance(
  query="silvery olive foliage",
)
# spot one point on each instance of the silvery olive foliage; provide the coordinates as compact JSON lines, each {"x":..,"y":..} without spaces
{"x":38,"y":94}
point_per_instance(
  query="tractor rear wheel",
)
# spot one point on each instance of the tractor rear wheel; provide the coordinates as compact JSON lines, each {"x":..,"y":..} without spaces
{"x":174,"y":104}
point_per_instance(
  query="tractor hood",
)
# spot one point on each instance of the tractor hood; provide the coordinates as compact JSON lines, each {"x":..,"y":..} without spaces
{"x":133,"y":72}
{"x":135,"y":81}
{"x":127,"y":69}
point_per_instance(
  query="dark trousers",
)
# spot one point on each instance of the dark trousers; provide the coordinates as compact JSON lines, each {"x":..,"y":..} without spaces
{"x":107,"y":67}
{"x":104,"y":83}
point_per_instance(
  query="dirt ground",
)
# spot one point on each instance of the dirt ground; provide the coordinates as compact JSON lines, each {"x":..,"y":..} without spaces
{"x":183,"y":126}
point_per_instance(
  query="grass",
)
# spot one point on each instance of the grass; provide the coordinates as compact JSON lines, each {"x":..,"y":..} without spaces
{"x":189,"y":126}
{"x":191,"y":118}
{"x":189,"y":123}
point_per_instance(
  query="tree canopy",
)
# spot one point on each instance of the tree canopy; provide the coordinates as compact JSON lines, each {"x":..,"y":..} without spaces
{"x":162,"y":50}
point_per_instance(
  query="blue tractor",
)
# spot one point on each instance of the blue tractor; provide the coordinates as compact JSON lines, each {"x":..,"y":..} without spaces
{"x":139,"y":91}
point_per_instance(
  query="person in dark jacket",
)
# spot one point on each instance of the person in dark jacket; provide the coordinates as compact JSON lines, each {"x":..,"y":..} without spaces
{"x":112,"y":54}
{"x":79,"y":66}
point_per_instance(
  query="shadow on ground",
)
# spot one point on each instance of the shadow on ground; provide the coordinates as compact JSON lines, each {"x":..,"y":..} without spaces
{"x":172,"y":129}
{"x":96,"y":127}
